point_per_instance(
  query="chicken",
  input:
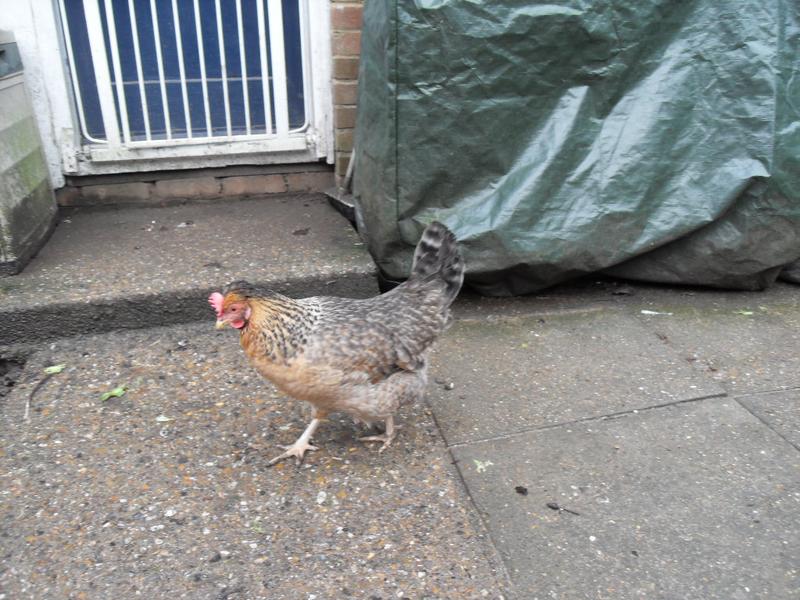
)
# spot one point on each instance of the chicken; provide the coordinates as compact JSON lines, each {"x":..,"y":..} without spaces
{"x":366,"y":357}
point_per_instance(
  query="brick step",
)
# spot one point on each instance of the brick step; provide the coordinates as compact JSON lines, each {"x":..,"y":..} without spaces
{"x":174,"y":187}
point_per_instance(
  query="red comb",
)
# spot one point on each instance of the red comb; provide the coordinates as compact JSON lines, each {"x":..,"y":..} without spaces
{"x":215,"y":300}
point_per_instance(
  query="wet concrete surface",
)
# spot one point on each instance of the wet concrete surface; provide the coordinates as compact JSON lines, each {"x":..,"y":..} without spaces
{"x":133,"y":267}
{"x":641,"y":444}
{"x":696,"y":501}
{"x":778,"y":410}
{"x":746,"y":348}
{"x":555,"y":368}
{"x":165,"y":492}
{"x":667,"y":418}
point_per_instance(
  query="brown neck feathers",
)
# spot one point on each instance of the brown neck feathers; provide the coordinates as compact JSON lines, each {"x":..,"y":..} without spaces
{"x":277,"y":328}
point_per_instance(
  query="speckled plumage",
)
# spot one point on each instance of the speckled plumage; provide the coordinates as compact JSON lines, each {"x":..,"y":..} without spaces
{"x":362,"y":357}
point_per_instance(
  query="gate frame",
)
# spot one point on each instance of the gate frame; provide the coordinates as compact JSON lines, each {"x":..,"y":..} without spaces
{"x":313,"y":144}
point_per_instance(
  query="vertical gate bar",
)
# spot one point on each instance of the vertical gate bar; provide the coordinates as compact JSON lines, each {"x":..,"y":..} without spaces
{"x":105,"y":90}
{"x":202,"y":55}
{"x":120,"y":86}
{"x":262,"y":52}
{"x":278,"y":66}
{"x":181,"y":68}
{"x":73,"y":71}
{"x":159,"y":61}
{"x":139,"y":75}
{"x":308,"y":107}
{"x":223,"y":68}
{"x":243,"y":61}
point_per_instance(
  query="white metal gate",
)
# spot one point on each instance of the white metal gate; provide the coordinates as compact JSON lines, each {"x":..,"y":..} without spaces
{"x":166,"y":79}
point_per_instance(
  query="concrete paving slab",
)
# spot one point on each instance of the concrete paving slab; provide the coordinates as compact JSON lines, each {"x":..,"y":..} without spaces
{"x":595,"y":293}
{"x":778,"y":410}
{"x":746,"y":347}
{"x":134,"y":267}
{"x":696,"y":501}
{"x":165,"y":493}
{"x":655,"y":295}
{"x":514,"y":374}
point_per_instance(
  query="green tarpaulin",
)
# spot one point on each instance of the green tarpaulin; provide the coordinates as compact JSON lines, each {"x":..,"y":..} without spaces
{"x":653,"y":140}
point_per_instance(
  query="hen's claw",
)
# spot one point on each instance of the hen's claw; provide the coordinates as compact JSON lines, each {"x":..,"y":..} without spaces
{"x":297,"y":450}
{"x":387,"y":438}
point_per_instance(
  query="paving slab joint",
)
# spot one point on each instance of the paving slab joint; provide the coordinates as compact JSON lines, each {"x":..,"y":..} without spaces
{"x":608,"y":417}
{"x":510,"y":588}
{"x":738,"y":400}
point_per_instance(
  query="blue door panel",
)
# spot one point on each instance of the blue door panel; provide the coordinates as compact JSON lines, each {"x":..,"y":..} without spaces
{"x":87,"y":87}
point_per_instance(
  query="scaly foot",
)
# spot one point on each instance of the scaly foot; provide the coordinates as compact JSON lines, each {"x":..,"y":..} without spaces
{"x":387,"y":441}
{"x":387,"y":438}
{"x":298,"y":449}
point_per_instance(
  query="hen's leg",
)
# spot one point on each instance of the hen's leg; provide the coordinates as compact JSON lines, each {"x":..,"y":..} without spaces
{"x":298,"y":449}
{"x":386,"y":437}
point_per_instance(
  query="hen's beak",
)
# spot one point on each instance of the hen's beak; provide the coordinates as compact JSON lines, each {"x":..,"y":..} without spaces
{"x":220,"y":324}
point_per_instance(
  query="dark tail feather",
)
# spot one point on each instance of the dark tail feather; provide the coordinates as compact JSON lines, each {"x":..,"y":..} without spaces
{"x":437,"y":253}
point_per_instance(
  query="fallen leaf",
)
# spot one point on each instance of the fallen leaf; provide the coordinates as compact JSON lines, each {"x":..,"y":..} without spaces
{"x":117,"y":392}
{"x":480,"y":466}
{"x":257,"y":527}
{"x":54,"y":369}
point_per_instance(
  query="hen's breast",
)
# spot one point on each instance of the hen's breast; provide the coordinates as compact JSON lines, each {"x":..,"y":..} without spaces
{"x":314,"y":383}
{"x":352,"y":392}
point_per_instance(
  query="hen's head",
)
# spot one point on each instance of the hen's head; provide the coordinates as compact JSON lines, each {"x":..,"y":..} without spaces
{"x":232,"y":305}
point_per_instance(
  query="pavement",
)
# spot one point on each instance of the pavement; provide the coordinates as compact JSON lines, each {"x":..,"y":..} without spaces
{"x":601,"y":439}
{"x":129,"y":267}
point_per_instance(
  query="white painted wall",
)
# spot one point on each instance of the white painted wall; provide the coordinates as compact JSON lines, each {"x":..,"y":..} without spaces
{"x":33,"y":23}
